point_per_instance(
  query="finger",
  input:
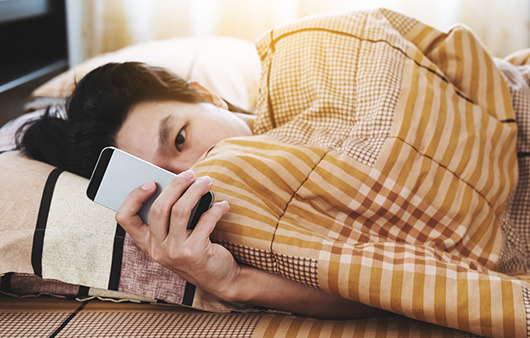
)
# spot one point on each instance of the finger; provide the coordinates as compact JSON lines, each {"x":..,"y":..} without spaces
{"x":181,"y":211}
{"x":160,"y":212}
{"x":209,"y":220}
{"x":127,"y":214}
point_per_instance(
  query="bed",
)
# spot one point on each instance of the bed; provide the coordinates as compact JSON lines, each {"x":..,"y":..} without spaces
{"x":393,"y":221}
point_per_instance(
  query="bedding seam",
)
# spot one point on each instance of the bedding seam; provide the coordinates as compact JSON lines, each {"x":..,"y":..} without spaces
{"x":449,"y":170}
{"x":287,"y":206}
{"x":322,"y":29}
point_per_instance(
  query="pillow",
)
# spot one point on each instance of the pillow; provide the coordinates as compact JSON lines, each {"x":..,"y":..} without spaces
{"x":53,"y":239}
{"x":8,"y":131}
{"x":225,"y":65}
{"x":385,"y":227}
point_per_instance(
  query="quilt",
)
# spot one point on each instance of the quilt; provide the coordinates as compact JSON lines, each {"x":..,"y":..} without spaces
{"x":384,"y":168}
{"x":385,"y":158}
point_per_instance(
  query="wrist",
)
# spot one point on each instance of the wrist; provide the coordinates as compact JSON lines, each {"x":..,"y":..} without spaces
{"x":230,"y":290}
{"x":238,"y":290}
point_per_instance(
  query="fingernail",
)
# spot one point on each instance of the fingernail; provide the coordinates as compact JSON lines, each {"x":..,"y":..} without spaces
{"x":224,"y":203}
{"x":189,"y":174}
{"x":206,"y":179}
{"x":148,"y":186}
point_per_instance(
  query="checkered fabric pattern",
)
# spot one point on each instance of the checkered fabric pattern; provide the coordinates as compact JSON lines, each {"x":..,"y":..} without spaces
{"x":312,"y":96}
{"x":19,"y":324}
{"x":386,"y":155}
{"x":300,"y":269}
{"x":258,"y":258}
{"x":138,"y":324}
{"x":388,"y":187}
{"x":130,"y":320}
{"x":516,"y":220}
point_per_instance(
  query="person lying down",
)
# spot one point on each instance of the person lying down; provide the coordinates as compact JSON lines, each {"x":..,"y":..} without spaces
{"x":373,"y":176}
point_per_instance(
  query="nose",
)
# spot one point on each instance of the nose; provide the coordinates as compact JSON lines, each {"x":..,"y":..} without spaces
{"x":179,"y":165}
{"x":183,"y":161}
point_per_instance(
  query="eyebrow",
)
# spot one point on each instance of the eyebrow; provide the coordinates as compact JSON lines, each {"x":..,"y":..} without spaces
{"x":163,"y":131}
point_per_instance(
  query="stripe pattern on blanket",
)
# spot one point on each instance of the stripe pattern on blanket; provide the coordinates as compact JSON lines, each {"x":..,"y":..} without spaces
{"x":385,"y":158}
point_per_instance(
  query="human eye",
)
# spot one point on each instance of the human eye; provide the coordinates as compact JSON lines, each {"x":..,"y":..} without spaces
{"x":180,"y":139}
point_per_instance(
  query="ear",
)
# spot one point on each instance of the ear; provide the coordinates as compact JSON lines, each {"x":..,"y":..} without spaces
{"x":209,"y":96}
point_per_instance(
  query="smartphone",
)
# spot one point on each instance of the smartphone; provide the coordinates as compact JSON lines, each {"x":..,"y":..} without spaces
{"x":117,"y":173}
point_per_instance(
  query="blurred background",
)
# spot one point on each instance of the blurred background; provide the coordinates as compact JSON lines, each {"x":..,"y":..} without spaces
{"x":98,"y":26}
{"x":40,"y":39}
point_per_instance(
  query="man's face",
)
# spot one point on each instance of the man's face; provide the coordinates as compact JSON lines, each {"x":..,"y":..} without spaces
{"x":175,"y":135}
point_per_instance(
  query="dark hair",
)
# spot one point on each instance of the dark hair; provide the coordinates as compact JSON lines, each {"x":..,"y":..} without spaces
{"x":96,"y":111}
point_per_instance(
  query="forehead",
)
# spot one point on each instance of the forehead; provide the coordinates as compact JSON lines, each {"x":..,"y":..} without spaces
{"x":140,"y":132}
{"x":153,"y":109}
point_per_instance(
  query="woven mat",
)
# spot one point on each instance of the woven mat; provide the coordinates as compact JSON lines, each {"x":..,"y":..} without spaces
{"x":52,"y":317}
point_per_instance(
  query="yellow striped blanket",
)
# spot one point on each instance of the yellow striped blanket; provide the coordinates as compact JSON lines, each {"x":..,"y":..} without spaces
{"x":383,"y":169}
{"x":384,"y":157}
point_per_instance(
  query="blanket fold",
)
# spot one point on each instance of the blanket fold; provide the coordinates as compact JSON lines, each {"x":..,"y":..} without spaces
{"x":389,"y":166}
{"x":384,"y":162}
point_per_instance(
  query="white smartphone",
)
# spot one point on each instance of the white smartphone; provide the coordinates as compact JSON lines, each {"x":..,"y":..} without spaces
{"x":117,"y":173}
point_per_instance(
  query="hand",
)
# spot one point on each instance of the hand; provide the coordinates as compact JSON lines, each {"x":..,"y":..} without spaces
{"x":192,"y":255}
{"x":189,"y":253}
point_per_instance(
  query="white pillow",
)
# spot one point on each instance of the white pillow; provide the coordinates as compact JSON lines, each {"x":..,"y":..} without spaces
{"x":225,"y":65}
